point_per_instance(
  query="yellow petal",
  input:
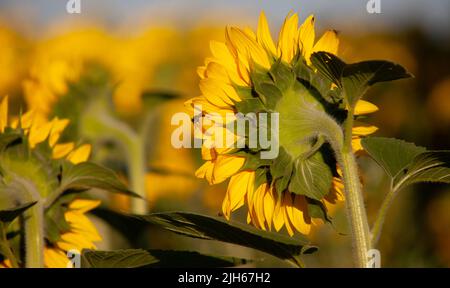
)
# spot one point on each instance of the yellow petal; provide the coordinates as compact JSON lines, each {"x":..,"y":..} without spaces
{"x":224,"y":57}
{"x":3,"y":114}
{"x":214,"y":93}
{"x":248,"y":48}
{"x":201,"y":71}
{"x":278,"y":216}
{"x":216,"y":71}
{"x":287,"y":40}
{"x":55,"y":258}
{"x":226,"y":166}
{"x":38,"y":133}
{"x":329,"y":42}
{"x":365,"y":107}
{"x":269,"y":207}
{"x":361,"y":129}
{"x":306,"y":37}
{"x":61,"y":150}
{"x":81,"y":154}
{"x":299,"y":218}
{"x":356,"y":144}
{"x":206,"y":171}
{"x":81,"y":224}
{"x":57,"y":128}
{"x":259,"y":205}
{"x":287,"y":222}
{"x":263,"y":35}
{"x":237,"y":189}
{"x":83,"y":205}
{"x":73,"y":240}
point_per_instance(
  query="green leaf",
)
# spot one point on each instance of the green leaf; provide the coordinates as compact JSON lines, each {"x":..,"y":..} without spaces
{"x":215,"y":228}
{"x":87,"y":175}
{"x":431,"y":166}
{"x":312,"y":177}
{"x":282,"y":75}
{"x":406,"y":163}
{"x":329,"y":65}
{"x":8,"y":215}
{"x":250,"y":105}
{"x":139,"y":258}
{"x":358,"y":77}
{"x":391,"y":154}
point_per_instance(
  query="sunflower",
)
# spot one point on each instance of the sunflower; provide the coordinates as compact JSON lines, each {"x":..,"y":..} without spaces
{"x":250,"y":73}
{"x":80,"y":233}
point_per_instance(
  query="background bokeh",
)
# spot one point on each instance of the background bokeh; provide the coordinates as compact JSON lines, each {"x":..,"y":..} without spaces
{"x":157,"y":45}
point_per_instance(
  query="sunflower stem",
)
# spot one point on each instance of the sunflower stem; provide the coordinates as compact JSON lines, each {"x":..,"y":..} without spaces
{"x":354,"y":199}
{"x":34,"y":236}
{"x":381,"y":216}
{"x":137,"y":176}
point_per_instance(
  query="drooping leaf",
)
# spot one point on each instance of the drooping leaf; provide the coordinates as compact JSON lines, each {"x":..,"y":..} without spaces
{"x":87,"y":175}
{"x":139,"y":258}
{"x":430,"y":166}
{"x":406,"y":163}
{"x":358,"y":77}
{"x":215,"y":228}
{"x":312,"y":177}
{"x":391,"y":154}
{"x":329,"y":65}
{"x":8,"y":215}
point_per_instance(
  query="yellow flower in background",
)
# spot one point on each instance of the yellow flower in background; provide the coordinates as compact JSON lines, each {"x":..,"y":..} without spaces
{"x":13,"y":60}
{"x":82,"y":234}
{"x":229,"y":71}
{"x":131,"y":62}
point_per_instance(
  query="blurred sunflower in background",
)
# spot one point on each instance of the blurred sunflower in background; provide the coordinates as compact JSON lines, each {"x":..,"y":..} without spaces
{"x":75,"y":231}
{"x":238,"y":76}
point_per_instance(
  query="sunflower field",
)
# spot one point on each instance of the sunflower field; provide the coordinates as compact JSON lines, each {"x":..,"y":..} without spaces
{"x":224,"y":134}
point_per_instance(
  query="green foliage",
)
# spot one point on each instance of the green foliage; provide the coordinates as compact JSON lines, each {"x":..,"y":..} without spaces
{"x":354,"y":79}
{"x":139,"y":258}
{"x":215,"y":228}
{"x":391,"y":154}
{"x":406,"y":163}
{"x":87,"y":175}
{"x":8,"y":215}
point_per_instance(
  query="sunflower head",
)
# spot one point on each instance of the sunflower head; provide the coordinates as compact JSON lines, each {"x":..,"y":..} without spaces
{"x":32,"y":162}
{"x":250,"y":73}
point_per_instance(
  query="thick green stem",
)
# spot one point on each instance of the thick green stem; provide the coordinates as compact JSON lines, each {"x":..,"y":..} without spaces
{"x":137,"y":176}
{"x":5,"y":248}
{"x":381,"y":216}
{"x":34,"y":236}
{"x":356,"y":212}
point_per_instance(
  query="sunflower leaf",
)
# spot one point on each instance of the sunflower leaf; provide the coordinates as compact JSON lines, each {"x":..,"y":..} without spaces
{"x":8,"y":215}
{"x":215,"y":228}
{"x":391,"y":154}
{"x":356,"y":78}
{"x":87,"y":175}
{"x":406,"y":163}
{"x":311,"y":177}
{"x":139,"y":258}
{"x":329,"y":65}
{"x":430,"y":166}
